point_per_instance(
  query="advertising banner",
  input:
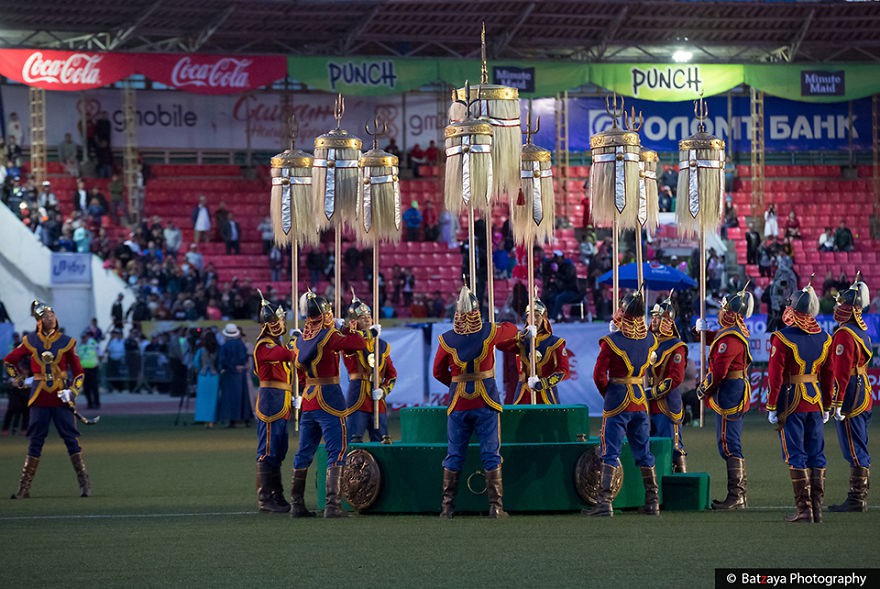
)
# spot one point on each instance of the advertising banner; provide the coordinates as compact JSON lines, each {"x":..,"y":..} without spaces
{"x":65,"y":70}
{"x":71,"y":268}
{"x":213,"y":74}
{"x":815,"y":82}
{"x":666,"y":82}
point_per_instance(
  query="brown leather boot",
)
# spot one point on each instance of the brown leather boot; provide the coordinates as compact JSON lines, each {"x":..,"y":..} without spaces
{"x":82,"y":475}
{"x":333,"y":504}
{"x":387,"y":440}
{"x":817,"y":492}
{"x":495,"y":492}
{"x":736,"y":486}
{"x":450,"y":489}
{"x":297,"y":494}
{"x":603,"y":503}
{"x":267,"y":497}
{"x":27,"y":477}
{"x":679,"y":464}
{"x":652,"y":498}
{"x":800,"y":482}
{"x":857,"y":498}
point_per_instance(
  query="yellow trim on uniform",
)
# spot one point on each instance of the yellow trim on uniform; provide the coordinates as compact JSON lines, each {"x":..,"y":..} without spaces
{"x":53,"y":368}
{"x":747,"y":393}
{"x":801,"y":388}
{"x":479,"y":387}
{"x":270,"y":418}
{"x":630,"y":389}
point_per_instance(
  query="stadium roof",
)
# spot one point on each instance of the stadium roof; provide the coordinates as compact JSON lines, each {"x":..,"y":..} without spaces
{"x":585,"y":30}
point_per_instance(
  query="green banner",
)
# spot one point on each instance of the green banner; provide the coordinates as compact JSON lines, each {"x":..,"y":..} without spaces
{"x":815,"y":82}
{"x":532,"y":78}
{"x":363,"y":76}
{"x":666,"y":82}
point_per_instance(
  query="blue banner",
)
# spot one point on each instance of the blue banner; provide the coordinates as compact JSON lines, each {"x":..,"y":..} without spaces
{"x":788,"y":125}
{"x":71,"y":268}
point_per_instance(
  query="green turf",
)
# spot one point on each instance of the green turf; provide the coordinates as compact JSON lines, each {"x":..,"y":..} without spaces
{"x":181,"y":507}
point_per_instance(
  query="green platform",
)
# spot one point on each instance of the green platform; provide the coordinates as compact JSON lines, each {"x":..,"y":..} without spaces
{"x":537,"y":477}
{"x":686,"y":492}
{"x":538,"y":424}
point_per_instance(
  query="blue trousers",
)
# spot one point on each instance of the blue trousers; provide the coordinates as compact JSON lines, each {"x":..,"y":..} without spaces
{"x":803,"y":441}
{"x":360,"y":422}
{"x":272,"y":442}
{"x":38,"y":429}
{"x":852,"y":433}
{"x":486,"y":423}
{"x":635,"y":426}
{"x":313,"y":425}
{"x":729,"y":432}
{"x":666,"y":428}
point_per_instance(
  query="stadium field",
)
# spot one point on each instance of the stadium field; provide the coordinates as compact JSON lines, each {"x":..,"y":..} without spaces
{"x":175,"y":507}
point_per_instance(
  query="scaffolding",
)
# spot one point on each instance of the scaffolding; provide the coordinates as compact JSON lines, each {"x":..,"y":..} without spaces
{"x":756,"y":108}
{"x":562,"y":150}
{"x":132,"y":178}
{"x":37,"y":98}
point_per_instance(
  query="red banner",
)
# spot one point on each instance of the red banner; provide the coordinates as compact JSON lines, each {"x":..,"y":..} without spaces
{"x":200,"y":74}
{"x":65,"y":70}
{"x":213,"y":74}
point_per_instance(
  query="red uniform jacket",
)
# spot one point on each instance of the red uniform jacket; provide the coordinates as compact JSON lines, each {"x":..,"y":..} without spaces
{"x":849,"y":357}
{"x":64,"y":361}
{"x":360,"y":371}
{"x":667,"y":374}
{"x":272,"y":363}
{"x":318,"y":358}
{"x":796,"y":355}
{"x":620,"y":357}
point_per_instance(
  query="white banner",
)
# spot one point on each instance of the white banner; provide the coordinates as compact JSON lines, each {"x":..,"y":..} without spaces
{"x":179,"y":120}
{"x":71,"y":268}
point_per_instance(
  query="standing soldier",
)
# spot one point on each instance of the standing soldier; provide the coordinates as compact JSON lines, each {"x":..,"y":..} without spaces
{"x":796,"y":403}
{"x":551,"y":362}
{"x":728,"y":392}
{"x":667,"y":374}
{"x":323,"y":404}
{"x":465,"y":362}
{"x":360,"y":364}
{"x":847,"y":376}
{"x":53,"y":361}
{"x":624,"y":358}
{"x":272,"y":366}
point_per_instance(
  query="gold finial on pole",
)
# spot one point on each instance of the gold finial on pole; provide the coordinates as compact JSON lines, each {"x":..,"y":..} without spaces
{"x":613,"y":110}
{"x":293,"y":131}
{"x":631,"y":122}
{"x":484,"y":69}
{"x":339,"y":110}
{"x":529,"y":131}
{"x":377,"y":131}
{"x":701,"y":111}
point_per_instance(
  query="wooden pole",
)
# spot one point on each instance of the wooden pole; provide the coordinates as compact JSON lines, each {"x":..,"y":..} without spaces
{"x":531,"y":299}
{"x":702,"y":313}
{"x":472,"y":254}
{"x":640,"y":271}
{"x":490,"y":274}
{"x":377,"y":349}
{"x":337,"y":270}
{"x":294,"y":302}
{"x":615,"y":265}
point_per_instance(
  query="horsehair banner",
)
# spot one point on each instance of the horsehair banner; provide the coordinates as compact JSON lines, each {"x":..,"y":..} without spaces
{"x":71,"y":71}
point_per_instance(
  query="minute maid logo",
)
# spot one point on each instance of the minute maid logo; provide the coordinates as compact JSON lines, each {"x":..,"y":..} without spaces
{"x":667,"y":78}
{"x":365,"y":73}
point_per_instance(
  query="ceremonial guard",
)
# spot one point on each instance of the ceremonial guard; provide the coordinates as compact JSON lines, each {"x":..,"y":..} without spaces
{"x":323,"y":405}
{"x":727,"y":390}
{"x":551,"y":362}
{"x":624,"y":358}
{"x":666,"y":375}
{"x":847,"y":376}
{"x":465,"y":362}
{"x":797,"y":404}
{"x":272,"y":366}
{"x":57,"y":380}
{"x":362,"y":397}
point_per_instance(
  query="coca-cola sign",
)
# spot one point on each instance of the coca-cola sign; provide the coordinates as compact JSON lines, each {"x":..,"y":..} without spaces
{"x":214,"y":74}
{"x":227,"y":72}
{"x":64,"y":70}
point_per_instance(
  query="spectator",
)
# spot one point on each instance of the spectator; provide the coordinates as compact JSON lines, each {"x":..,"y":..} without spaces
{"x":771,"y":223}
{"x":315,"y":262}
{"x":419,"y":308}
{"x":587,"y":247}
{"x":232,"y":360}
{"x":415,"y":158}
{"x":103,"y":149}
{"x":792,"y":227}
{"x":843,"y":238}
{"x":766,"y":255}
{"x":116,"y":311}
{"x":437,"y":306}
{"x":448,"y":226}
{"x":46,"y":198}
{"x":116,"y":365}
{"x":413,"y":220}
{"x":566,"y":285}
{"x":669,"y":179}
{"x":13,"y":129}
{"x":351,"y":259}
{"x":13,"y":151}
{"x":266,"y":234}
{"x":117,"y":193}
{"x":431,"y":221}
{"x":17,"y":412}
{"x":392,"y":147}
{"x":407,"y":286}
{"x":729,"y":174}
{"x":68,"y":152}
{"x":826,"y":240}
{"x":828,"y":301}
{"x":275,"y":263}
{"x":207,"y":380}
{"x":81,"y":197}
{"x":432,"y":154}
{"x":730,"y":218}
{"x":231,"y":233}
{"x":585,"y":205}
{"x":664,"y":199}
{"x":221,"y":216}
{"x":201,"y":220}
{"x":195,"y":259}
{"x":173,"y":238}
{"x":82,"y":237}
{"x":753,"y":244}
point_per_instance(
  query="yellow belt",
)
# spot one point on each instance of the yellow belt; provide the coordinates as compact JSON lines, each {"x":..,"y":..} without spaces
{"x":801,"y":379}
{"x":322,"y":381}
{"x":474,"y":377}
{"x":731,"y":374}
{"x":860,"y":371}
{"x":275,"y":384}
{"x":628,"y":380}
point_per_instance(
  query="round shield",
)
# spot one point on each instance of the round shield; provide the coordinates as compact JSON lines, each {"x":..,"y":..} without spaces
{"x":361,"y":479}
{"x":588,"y":477}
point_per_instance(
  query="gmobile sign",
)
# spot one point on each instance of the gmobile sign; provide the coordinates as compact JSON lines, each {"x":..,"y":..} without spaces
{"x":71,"y":268}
